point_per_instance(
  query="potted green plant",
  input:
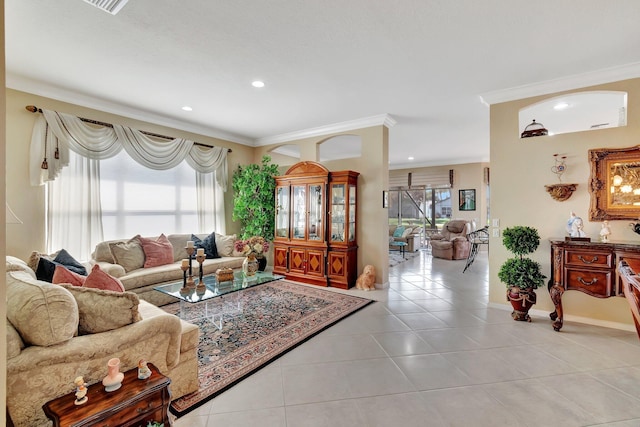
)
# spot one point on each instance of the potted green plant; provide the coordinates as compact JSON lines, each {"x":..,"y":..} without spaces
{"x":254,"y":198}
{"x":521,"y":275}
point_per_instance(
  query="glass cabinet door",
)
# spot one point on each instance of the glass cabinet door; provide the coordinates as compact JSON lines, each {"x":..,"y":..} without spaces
{"x":338,"y":212}
{"x":315,"y":212}
{"x":282,"y":212}
{"x":299,"y":211}
{"x":352,"y":213}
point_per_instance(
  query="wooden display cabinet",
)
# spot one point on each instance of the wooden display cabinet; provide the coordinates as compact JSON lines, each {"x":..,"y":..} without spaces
{"x":315,"y":238}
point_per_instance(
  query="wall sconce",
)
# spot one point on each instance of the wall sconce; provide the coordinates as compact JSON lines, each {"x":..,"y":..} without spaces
{"x":560,"y":192}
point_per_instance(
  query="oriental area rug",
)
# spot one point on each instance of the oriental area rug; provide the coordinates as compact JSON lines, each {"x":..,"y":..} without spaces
{"x":266,"y":321}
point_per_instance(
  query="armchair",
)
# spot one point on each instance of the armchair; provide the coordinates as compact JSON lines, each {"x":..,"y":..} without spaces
{"x":451,"y":242}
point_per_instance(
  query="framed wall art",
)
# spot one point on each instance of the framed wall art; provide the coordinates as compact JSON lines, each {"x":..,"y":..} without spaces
{"x":467,"y":200}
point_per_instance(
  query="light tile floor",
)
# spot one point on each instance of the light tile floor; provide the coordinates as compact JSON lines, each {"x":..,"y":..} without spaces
{"x":430,"y":352}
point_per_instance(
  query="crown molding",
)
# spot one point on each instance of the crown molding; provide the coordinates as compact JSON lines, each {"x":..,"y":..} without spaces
{"x":40,"y":88}
{"x":607,"y":75}
{"x":381,"y":119}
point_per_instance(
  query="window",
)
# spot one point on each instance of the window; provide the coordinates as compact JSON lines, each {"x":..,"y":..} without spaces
{"x":137,"y":200}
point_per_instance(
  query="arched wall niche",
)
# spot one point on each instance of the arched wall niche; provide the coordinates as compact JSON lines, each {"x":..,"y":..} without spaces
{"x":577,"y":112}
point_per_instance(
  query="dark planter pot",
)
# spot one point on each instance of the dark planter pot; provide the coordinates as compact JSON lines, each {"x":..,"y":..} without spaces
{"x":262,"y":263}
{"x":521,"y":301}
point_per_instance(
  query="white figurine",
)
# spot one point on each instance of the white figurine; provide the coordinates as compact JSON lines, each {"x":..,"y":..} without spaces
{"x":143,"y":370}
{"x":575,"y":226}
{"x":605,"y":231}
{"x":81,"y":391}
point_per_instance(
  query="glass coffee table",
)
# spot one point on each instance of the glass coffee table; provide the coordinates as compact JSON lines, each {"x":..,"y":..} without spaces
{"x":214,"y":291}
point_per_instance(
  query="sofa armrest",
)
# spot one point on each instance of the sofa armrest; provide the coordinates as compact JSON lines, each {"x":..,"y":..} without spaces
{"x":115,"y":270}
{"x":437,"y":236}
{"x":156,"y":338}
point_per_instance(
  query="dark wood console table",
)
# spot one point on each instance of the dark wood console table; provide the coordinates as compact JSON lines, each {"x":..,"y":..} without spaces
{"x":134,"y":404}
{"x":588,"y":267}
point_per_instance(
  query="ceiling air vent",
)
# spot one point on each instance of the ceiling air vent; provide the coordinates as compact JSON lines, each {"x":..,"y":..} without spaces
{"x":111,"y":6}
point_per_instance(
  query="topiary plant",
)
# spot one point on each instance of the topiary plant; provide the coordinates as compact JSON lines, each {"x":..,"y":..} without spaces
{"x":519,"y":271}
{"x":254,"y":198}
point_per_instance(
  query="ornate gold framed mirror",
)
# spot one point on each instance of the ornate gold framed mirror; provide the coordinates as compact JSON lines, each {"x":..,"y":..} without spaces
{"x":614,"y":183}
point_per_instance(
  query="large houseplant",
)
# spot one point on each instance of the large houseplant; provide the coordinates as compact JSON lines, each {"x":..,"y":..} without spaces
{"x":521,"y":275}
{"x":254,"y":198}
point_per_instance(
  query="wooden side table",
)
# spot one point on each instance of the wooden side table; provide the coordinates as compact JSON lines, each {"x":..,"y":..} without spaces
{"x":134,"y":404}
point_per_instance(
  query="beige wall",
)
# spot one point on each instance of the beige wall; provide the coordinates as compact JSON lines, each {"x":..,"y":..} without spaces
{"x":520,"y":168}
{"x":372,"y":232}
{"x":3,"y":236}
{"x":28,"y":202}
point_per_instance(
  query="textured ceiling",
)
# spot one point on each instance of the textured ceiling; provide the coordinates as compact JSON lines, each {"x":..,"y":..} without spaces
{"x":425,"y":63}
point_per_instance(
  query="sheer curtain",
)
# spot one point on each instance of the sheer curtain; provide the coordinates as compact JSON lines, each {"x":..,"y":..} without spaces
{"x":74,"y":219}
{"x":57,"y":135}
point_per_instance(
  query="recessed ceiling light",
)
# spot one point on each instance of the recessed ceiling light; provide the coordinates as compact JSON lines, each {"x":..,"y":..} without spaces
{"x":187,"y":108}
{"x":257,"y":83}
{"x":410,"y":158}
{"x":561,"y":106}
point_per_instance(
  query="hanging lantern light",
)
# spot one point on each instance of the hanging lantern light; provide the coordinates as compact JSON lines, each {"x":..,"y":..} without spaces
{"x":534,"y":129}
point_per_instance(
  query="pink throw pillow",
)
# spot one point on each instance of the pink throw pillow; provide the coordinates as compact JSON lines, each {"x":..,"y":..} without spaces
{"x":157,"y":252}
{"x":63,"y":275}
{"x":98,"y":279}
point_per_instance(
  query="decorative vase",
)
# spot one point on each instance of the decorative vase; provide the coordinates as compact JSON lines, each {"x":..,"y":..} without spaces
{"x":521,"y":300}
{"x":113,"y":380}
{"x":250,"y":265}
{"x":262,"y":263}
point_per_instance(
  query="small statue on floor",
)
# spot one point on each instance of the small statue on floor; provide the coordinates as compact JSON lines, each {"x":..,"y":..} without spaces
{"x":81,"y":391}
{"x":143,"y":370}
{"x":367,"y":279}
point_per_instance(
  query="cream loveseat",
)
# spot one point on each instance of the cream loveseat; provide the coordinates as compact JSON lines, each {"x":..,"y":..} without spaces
{"x":56,"y":333}
{"x":407,"y":234}
{"x":141,"y":281}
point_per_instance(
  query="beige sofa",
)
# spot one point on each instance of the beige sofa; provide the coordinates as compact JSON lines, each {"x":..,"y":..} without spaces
{"x":142,"y":280}
{"x":409,"y":235}
{"x":45,"y":351}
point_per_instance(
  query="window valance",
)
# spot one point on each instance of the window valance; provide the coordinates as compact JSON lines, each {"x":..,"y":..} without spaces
{"x":55,"y":133}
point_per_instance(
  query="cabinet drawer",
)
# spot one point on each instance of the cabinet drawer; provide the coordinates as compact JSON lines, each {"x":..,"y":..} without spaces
{"x":597,"y":283}
{"x":149,"y":405}
{"x":591,"y":259}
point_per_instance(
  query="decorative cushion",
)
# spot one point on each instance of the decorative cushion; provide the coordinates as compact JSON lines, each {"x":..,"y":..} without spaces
{"x":47,"y":267}
{"x":98,"y":279}
{"x":128,"y":254}
{"x":14,"y":342}
{"x":70,"y":262}
{"x":63,"y":275}
{"x":224,"y":244}
{"x":102,"y":310}
{"x":208,"y":244}
{"x":398,"y":231}
{"x":44,"y":314}
{"x":156,"y":252}
{"x":407,"y":231}
{"x":34,"y":259}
